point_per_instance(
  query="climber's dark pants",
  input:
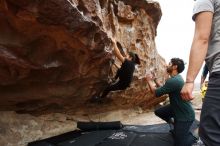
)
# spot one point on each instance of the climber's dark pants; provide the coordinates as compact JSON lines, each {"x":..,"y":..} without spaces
{"x":114,"y":87}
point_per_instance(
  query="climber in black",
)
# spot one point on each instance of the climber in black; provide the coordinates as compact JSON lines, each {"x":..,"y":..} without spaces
{"x":124,"y":73}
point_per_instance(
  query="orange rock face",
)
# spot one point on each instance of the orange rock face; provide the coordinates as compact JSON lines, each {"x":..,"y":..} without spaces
{"x":54,"y":55}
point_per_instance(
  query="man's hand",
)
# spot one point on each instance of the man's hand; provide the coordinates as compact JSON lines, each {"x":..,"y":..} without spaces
{"x":149,"y":77}
{"x":186,"y":91}
{"x":153,"y":74}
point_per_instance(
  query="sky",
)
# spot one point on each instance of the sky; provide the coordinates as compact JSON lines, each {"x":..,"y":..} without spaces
{"x":175,"y":31}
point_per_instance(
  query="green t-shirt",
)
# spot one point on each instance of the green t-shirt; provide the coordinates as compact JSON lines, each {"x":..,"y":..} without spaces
{"x":183,"y":110}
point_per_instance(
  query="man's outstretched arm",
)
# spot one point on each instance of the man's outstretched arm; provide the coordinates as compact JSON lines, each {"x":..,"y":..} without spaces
{"x":151,"y":84}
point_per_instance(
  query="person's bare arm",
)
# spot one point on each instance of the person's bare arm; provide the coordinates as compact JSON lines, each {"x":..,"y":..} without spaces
{"x":151,"y":84}
{"x":158,"y":84}
{"x":198,"y":51}
{"x":117,"y":52}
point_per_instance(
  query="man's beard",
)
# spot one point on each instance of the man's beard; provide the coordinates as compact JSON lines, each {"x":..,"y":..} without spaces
{"x":169,"y":70}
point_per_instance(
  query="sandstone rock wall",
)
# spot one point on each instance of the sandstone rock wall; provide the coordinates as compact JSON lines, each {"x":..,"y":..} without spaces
{"x":54,"y":55}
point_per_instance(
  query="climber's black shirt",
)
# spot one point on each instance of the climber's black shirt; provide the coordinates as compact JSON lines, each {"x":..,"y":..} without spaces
{"x":125,"y":73}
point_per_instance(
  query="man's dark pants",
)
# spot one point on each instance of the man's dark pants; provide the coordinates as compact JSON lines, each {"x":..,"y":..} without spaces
{"x":209,"y":129}
{"x":182,"y":134}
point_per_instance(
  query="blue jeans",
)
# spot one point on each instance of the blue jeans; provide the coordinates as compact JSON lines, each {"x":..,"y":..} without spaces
{"x":182,"y":134}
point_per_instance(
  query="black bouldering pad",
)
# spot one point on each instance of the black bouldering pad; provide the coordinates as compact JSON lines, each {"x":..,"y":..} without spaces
{"x":88,"y":126}
{"x":129,"y":135}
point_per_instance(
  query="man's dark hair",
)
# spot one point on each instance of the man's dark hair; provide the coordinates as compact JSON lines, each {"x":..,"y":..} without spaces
{"x":134,"y":57}
{"x":180,"y":64}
